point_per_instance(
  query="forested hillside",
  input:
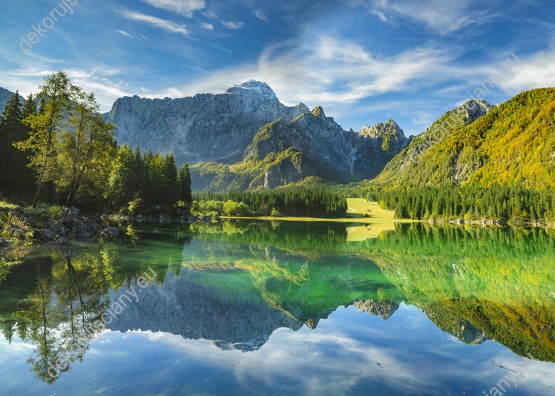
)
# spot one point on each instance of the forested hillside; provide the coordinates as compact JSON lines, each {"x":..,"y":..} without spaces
{"x":512,"y":145}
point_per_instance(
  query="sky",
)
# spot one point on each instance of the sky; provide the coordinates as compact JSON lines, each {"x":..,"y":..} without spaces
{"x":363,"y":61}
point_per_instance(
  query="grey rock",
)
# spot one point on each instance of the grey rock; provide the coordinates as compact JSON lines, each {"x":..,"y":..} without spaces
{"x":110,"y":232}
{"x":202,"y":128}
{"x":249,"y":123}
{"x":45,"y":235}
{"x":184,"y":306}
{"x":384,"y":309}
{"x":5,"y":95}
{"x":311,"y":144}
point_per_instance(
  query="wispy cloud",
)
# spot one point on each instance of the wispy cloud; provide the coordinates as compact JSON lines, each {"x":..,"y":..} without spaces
{"x":261,"y":15}
{"x":124,"y":34}
{"x":181,"y":7}
{"x":233,"y":25}
{"x":333,"y":72}
{"x":441,"y":16}
{"x":104,"y":81}
{"x":207,"y":26}
{"x":132,"y":36}
{"x":155,"y":22}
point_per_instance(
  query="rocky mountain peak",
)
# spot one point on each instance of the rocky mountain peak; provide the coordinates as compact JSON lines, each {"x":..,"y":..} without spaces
{"x":202,"y":128}
{"x":384,"y":309}
{"x":475,"y":109}
{"x":256,"y":87}
{"x":318,"y":112}
{"x":383,"y":129}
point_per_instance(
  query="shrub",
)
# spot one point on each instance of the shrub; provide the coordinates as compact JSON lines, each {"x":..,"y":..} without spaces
{"x":16,"y":230}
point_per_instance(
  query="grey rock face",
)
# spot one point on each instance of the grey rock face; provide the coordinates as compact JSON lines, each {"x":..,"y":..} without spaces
{"x":5,"y":95}
{"x":384,"y":309}
{"x":327,"y":150}
{"x":247,"y":124}
{"x":389,"y":135}
{"x":184,"y":307}
{"x":203,"y":128}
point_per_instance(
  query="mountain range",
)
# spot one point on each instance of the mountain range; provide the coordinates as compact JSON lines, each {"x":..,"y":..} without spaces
{"x":245,"y":138}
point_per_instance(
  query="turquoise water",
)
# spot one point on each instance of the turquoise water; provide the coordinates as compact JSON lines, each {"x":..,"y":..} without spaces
{"x":292,"y":308}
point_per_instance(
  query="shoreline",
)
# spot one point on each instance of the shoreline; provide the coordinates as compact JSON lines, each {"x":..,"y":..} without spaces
{"x":346,"y":220}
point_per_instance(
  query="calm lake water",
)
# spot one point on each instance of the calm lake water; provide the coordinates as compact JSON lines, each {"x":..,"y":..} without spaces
{"x":292,"y":308}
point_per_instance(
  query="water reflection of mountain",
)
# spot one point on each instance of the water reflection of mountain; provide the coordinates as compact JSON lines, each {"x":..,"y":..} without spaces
{"x":237,"y":295}
{"x":183,"y":305}
{"x":475,"y":284}
{"x":235,"y":284}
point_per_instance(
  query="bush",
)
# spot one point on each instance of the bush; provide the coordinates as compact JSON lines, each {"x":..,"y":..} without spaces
{"x":231,"y":208}
{"x":55,"y":212}
{"x":135,"y":206}
{"x":275,"y":213}
{"x":16,"y":230}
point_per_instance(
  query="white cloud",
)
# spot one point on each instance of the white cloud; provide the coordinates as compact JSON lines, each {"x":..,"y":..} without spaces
{"x":207,"y":26}
{"x":125,"y":34}
{"x":441,"y":16}
{"x":259,"y":14}
{"x":332,"y":72}
{"x":521,"y":74}
{"x":132,"y":36}
{"x":233,"y":25}
{"x":156,"y":22}
{"x":181,"y":7}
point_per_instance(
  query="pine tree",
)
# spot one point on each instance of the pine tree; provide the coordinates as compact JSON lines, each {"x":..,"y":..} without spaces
{"x":169,"y":195}
{"x":10,"y":128}
{"x":185,"y":192}
{"x":122,"y":183}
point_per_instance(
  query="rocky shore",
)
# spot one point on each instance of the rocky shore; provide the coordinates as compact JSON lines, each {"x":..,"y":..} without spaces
{"x":23,"y":226}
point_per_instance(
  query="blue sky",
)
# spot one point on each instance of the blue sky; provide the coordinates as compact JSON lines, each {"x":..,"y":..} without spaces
{"x":363,"y":61}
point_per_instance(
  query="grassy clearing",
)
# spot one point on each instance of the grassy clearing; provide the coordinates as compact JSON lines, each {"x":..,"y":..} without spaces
{"x":358,"y":207}
{"x":368,"y":231}
{"x":373,"y":220}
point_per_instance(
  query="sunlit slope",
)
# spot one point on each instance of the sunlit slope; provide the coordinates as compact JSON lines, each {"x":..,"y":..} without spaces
{"x":512,"y":145}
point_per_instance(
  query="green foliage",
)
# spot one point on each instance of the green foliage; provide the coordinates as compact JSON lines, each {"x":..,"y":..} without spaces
{"x":151,"y":178}
{"x":247,"y":174}
{"x":55,"y":212}
{"x":16,"y":180}
{"x":123,"y":182}
{"x":514,"y":205}
{"x":66,"y":144}
{"x":15,"y":230}
{"x":296,"y":201}
{"x":231,"y":208}
{"x":44,"y":129}
{"x":184,"y":180}
{"x":85,"y":147}
{"x":513,"y":146}
{"x":135,"y":206}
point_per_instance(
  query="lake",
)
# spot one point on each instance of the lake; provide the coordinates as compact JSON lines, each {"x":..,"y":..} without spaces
{"x":255,"y":307}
